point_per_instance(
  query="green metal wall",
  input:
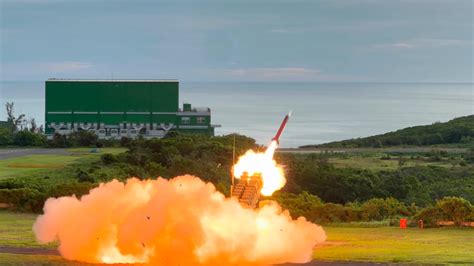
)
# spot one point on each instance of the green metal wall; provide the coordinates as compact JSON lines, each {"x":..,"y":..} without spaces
{"x":108,"y":97}
{"x":112,"y":96}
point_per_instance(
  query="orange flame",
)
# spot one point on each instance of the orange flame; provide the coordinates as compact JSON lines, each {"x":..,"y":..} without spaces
{"x":273,"y":177}
{"x":182,"y":221}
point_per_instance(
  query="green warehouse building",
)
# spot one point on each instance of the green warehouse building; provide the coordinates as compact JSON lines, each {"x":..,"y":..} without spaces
{"x":121,"y":108}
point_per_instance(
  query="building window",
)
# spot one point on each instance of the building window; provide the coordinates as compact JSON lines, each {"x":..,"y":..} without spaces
{"x":200,"y":119}
{"x":185,"y":120}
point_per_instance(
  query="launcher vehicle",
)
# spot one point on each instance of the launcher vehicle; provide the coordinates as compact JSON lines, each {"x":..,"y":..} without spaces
{"x":247,"y":190}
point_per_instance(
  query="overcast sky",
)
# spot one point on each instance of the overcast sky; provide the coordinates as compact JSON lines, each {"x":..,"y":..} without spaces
{"x":332,"y":40}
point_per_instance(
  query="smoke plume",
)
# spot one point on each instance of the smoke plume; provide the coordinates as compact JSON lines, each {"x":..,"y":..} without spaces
{"x":182,"y":221}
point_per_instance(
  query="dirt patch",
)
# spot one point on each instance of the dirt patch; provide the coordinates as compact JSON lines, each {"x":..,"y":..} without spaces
{"x":5,"y":205}
{"x":28,"y":251}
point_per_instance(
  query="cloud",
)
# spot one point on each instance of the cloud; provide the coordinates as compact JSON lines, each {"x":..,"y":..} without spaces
{"x":36,"y":1}
{"x":280,"y":30}
{"x":422,"y":43}
{"x":290,"y":73}
{"x":288,"y":30}
{"x":344,"y":26}
{"x":66,"y":66}
{"x":284,"y":74}
{"x":42,"y":70}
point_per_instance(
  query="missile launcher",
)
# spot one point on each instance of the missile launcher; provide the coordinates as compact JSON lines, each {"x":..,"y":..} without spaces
{"x":247,"y":190}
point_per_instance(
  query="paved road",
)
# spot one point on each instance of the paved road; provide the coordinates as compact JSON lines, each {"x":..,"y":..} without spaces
{"x":18,"y":152}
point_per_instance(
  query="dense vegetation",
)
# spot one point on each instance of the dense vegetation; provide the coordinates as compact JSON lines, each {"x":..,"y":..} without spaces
{"x":316,"y":188}
{"x":389,"y":209}
{"x":30,"y":138}
{"x":19,"y":131}
{"x":417,"y":184}
{"x":457,"y":131}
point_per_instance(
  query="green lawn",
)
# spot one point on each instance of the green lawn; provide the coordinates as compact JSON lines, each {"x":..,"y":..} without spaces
{"x":16,"y":230}
{"x":42,"y":163}
{"x":19,"y":259}
{"x":26,"y":165}
{"x":392,"y":244}
{"x":382,"y":244}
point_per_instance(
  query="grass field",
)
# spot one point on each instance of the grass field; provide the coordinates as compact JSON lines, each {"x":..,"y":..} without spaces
{"x":392,"y":244}
{"x":382,"y":244}
{"x":374,"y":161}
{"x":16,"y":231}
{"x":19,"y":259}
{"x":32,"y":164}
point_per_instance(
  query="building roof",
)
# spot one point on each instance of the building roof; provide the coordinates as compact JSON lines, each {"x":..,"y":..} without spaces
{"x":113,"y":80}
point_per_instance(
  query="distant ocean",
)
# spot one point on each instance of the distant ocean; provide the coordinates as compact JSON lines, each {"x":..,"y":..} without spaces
{"x":322,"y":112}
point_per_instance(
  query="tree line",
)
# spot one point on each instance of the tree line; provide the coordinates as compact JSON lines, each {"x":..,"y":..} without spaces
{"x":456,"y":131}
{"x":456,"y":209}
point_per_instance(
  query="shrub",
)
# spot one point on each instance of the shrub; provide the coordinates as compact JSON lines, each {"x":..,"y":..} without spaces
{"x":27,"y":138}
{"x":24,"y":199}
{"x":82,"y":138}
{"x":108,"y":158}
{"x":155,"y":169}
{"x":298,"y":204}
{"x":328,"y":213}
{"x":6,"y":136}
{"x":449,"y":208}
{"x":455,"y":209}
{"x":106,"y":143}
{"x":379,"y":209}
{"x":84,"y":177}
{"x":353,"y":212}
{"x":58,"y":141}
{"x":71,"y":188}
{"x":125,"y":142}
{"x":430,"y":216}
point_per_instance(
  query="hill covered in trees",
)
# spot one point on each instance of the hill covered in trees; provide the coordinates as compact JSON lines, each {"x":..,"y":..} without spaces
{"x":457,"y":131}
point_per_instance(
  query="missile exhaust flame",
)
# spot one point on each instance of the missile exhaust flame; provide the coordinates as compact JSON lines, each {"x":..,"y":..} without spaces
{"x":272,"y":175}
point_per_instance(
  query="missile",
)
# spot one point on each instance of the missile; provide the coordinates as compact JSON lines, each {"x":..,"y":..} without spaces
{"x":282,"y":127}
